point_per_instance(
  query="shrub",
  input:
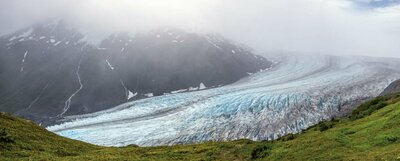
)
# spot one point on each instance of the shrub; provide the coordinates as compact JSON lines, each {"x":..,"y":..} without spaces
{"x":349,"y":132}
{"x":391,"y":139}
{"x":5,"y":137}
{"x":261,"y":151}
{"x":132,"y":146}
{"x":288,"y":137}
{"x":62,"y":152}
{"x":369,"y":107}
{"x":323,"y":127}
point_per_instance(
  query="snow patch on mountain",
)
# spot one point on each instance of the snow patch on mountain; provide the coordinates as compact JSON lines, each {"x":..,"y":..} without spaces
{"x":23,"y":61}
{"x":178,"y":91}
{"x":149,"y":95}
{"x":109,"y":65}
{"x":24,"y":34}
{"x":68,"y":101}
{"x":131,"y":95}
{"x":55,"y":44}
{"x":202,"y":86}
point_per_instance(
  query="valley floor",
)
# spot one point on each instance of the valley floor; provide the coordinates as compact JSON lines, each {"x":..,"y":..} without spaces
{"x":372,"y":132}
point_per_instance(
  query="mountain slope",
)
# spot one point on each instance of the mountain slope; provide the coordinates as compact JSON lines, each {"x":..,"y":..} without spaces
{"x":169,"y":59}
{"x":49,"y":70}
{"x":373,"y":136}
{"x":39,"y":72}
{"x":392,"y":88}
{"x":21,"y":138}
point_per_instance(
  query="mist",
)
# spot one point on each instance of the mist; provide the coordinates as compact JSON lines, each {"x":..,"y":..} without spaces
{"x":339,"y":27}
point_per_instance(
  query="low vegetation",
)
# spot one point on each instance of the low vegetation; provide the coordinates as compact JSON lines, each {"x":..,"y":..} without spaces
{"x":372,"y":132}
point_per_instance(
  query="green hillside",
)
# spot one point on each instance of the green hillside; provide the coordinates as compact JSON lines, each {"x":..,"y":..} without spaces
{"x":372,"y":132}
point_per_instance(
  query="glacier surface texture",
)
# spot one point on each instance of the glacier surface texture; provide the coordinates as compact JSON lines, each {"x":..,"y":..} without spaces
{"x":297,"y":92}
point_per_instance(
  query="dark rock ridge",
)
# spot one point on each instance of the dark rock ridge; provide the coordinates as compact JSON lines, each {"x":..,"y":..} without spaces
{"x":49,"y":70}
{"x":392,"y":88}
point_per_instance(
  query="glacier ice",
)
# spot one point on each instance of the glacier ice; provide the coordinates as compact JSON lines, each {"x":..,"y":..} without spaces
{"x":297,"y":92}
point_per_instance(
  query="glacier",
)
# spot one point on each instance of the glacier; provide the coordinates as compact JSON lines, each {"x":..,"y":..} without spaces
{"x":297,"y":92}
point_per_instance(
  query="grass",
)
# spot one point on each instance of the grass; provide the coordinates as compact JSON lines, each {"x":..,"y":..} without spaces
{"x":372,"y":132}
{"x":374,"y":136}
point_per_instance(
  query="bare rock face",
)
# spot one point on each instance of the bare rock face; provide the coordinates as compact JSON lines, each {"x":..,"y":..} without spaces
{"x":392,"y":88}
{"x":49,"y":70}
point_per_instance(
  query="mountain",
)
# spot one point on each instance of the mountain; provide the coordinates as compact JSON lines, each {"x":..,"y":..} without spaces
{"x":39,"y":69}
{"x":297,"y":92}
{"x":49,"y":70}
{"x":394,"y":87}
{"x":170,"y":59}
{"x":371,"y":132}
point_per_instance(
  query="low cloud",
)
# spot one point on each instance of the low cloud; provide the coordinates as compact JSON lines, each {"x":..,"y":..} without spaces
{"x":341,"y":27}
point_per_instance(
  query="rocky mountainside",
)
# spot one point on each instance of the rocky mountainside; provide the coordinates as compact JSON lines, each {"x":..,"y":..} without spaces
{"x":392,"y":88}
{"x":49,"y":70}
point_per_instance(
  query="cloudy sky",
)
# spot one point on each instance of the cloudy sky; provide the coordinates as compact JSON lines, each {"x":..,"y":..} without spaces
{"x":344,"y":27}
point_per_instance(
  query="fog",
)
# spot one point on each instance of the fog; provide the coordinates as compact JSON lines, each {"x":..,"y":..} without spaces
{"x":341,"y":27}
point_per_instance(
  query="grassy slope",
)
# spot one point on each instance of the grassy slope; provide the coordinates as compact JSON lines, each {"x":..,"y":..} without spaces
{"x":371,"y":133}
